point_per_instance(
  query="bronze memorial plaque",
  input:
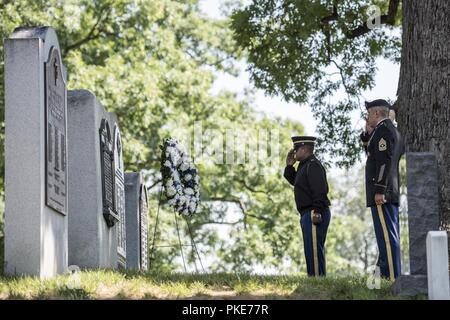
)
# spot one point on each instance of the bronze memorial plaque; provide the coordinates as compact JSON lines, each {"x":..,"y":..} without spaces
{"x":120,"y":198}
{"x":143,"y":226}
{"x":107,"y":174}
{"x":55,"y":134}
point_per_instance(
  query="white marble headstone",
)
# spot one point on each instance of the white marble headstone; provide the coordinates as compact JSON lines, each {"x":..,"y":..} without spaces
{"x":437,"y":266}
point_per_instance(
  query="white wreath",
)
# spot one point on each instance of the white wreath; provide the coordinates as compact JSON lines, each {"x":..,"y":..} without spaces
{"x":180,"y":178}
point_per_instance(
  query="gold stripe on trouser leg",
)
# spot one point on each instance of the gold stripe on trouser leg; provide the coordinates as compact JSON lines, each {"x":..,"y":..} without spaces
{"x":387,"y":241}
{"x":314,"y":239}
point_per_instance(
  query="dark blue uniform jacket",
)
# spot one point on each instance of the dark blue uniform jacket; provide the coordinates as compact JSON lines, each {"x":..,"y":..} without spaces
{"x":384,"y":150}
{"x":310,"y":185}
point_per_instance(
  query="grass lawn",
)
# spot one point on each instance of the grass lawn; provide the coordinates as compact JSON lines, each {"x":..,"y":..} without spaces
{"x":108,"y":284}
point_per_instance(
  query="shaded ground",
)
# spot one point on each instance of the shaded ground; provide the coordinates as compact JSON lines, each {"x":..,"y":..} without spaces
{"x":107,"y":284}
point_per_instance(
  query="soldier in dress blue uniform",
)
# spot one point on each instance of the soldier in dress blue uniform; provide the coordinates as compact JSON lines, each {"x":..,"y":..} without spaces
{"x":365,"y":135}
{"x":310,"y":189}
{"x":384,"y":149}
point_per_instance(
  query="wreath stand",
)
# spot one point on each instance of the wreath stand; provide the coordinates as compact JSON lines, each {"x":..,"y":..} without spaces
{"x":180,"y":245}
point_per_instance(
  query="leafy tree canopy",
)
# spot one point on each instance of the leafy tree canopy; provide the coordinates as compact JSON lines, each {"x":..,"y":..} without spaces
{"x":308,"y":51}
{"x":154,"y":64}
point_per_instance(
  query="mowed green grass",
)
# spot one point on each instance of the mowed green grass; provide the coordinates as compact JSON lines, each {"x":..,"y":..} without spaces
{"x":108,"y":284}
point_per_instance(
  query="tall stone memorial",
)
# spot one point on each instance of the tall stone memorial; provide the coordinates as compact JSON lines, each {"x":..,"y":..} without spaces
{"x":119,"y":199}
{"x":36,"y":159}
{"x":423,"y":216}
{"x":94,"y":219}
{"x":136,"y":221}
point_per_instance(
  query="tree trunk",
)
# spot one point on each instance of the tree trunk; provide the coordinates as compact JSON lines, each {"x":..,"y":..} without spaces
{"x":423,"y":91}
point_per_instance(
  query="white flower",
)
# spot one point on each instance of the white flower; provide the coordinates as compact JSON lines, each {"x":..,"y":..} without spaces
{"x":171,"y":191}
{"x":181,"y":149}
{"x":170,"y":151}
{"x":182,"y":200}
{"x":184,"y":166}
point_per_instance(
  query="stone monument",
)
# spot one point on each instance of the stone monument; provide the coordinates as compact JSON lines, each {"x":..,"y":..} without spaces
{"x":423,"y":216}
{"x":136,"y":221}
{"x":36,"y":159}
{"x":93,"y":220}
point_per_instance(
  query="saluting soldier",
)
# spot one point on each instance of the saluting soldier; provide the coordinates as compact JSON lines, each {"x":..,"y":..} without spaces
{"x":311,"y":198}
{"x":367,"y":133}
{"x":384,"y":149}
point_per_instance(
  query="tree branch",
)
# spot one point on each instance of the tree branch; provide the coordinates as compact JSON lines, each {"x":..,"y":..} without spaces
{"x":341,"y":72}
{"x":251,"y":189}
{"x":241,"y":205}
{"x":154,"y":184}
{"x":221,"y":223}
{"x":92,"y":35}
{"x":332,"y":17}
{"x":325,"y":22}
{"x":388,"y":19}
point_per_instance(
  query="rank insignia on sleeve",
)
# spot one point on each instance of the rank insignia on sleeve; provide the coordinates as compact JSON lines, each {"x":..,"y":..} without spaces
{"x":382,"y":145}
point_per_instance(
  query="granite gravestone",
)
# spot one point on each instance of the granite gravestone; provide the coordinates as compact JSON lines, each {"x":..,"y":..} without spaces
{"x":93,"y":219}
{"x":136,"y":221}
{"x":36,"y":178}
{"x":423,"y":216}
{"x":119,"y":200}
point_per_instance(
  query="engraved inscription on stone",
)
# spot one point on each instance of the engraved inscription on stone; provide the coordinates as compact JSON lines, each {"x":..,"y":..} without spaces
{"x":120,"y":197}
{"x":143,"y":221}
{"x":55,"y":141}
{"x":107,"y":176}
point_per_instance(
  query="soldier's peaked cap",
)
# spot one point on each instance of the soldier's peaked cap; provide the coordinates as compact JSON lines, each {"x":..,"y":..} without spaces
{"x":303,"y":141}
{"x":377,"y":103}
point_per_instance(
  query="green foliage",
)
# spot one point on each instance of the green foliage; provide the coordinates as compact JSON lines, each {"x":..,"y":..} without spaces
{"x":309,"y":51}
{"x":351,"y":235}
{"x":154,"y":64}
